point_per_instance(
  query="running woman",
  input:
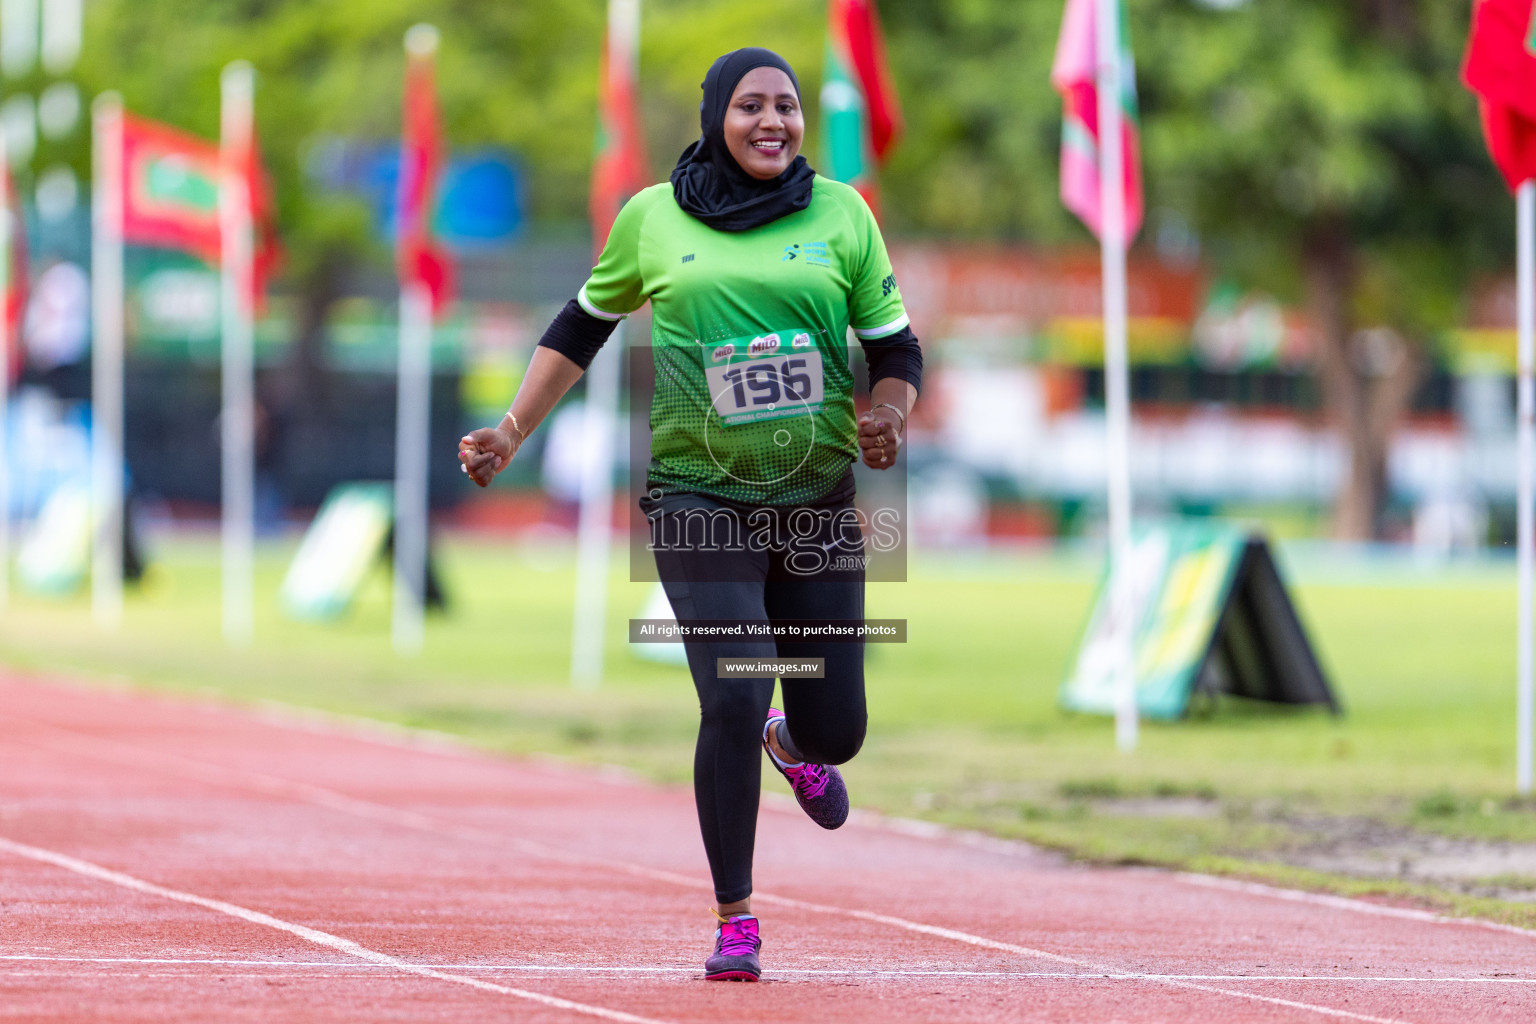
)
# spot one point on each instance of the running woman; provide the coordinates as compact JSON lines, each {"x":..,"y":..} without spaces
{"x":755,"y":269}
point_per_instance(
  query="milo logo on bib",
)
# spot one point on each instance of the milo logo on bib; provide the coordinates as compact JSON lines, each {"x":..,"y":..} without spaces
{"x":766,"y":376}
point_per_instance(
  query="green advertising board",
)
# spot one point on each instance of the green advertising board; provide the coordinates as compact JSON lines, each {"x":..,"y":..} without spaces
{"x":347,"y":536}
{"x":1207,"y":614}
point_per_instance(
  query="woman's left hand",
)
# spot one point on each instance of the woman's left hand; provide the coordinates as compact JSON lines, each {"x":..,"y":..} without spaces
{"x":879,"y":438}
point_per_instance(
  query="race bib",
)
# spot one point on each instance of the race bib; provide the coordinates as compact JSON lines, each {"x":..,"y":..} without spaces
{"x":765,"y":376}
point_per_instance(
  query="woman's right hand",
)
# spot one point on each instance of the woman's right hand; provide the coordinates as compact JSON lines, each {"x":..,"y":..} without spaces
{"x":485,"y":452}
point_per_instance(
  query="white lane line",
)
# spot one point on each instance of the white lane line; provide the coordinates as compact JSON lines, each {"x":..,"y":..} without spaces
{"x":1344,"y":903}
{"x":356,"y":974}
{"x":207,"y":772}
{"x":811,"y":971}
{"x":1089,"y":965}
{"x":319,"y":938}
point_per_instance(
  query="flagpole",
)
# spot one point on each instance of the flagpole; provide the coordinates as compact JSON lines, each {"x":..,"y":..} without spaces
{"x":11,"y":225}
{"x":107,"y":359}
{"x":594,"y":529}
{"x":413,"y":414}
{"x":1525,"y":515}
{"x":238,"y":419}
{"x":1116,"y":388}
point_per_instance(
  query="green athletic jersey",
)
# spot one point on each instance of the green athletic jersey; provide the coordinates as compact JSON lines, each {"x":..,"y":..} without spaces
{"x":754,"y":395}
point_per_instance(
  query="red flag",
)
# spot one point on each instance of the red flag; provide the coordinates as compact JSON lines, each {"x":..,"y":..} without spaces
{"x":857,"y":26}
{"x":619,"y":170}
{"x":1501,"y":69}
{"x":419,"y":258}
{"x":171,"y":195}
{"x":170,"y":188}
{"x":860,"y":114}
{"x":267,"y":251}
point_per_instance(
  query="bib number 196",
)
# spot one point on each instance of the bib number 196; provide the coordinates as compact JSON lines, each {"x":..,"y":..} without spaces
{"x":767,"y":387}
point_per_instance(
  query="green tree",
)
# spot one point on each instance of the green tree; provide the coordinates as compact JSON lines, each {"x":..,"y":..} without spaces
{"x":983,"y":125}
{"x":1329,"y":150}
{"x":1323,"y":150}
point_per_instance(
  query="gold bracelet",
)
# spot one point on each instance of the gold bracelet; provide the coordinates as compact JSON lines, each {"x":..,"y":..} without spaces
{"x":899,"y":415}
{"x":521,"y":435}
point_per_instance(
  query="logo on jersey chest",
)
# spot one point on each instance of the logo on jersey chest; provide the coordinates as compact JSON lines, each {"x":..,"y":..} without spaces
{"x":815,"y":254}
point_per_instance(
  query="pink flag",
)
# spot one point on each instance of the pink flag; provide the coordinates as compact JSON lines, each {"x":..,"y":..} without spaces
{"x":1073,"y":76}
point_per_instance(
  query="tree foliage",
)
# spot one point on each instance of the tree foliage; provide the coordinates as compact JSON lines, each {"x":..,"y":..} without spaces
{"x":1328,"y":150}
{"x":1273,"y":122}
{"x":1257,"y":119}
{"x":1323,"y":149}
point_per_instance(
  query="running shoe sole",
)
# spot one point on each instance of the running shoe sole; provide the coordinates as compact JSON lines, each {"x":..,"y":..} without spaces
{"x":829,"y":807}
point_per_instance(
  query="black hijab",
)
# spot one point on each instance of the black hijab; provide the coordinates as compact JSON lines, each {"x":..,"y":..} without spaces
{"x":708,"y":182}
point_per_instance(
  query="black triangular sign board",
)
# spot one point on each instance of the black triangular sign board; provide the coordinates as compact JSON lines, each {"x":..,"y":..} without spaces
{"x":1207,"y":613}
{"x":1259,"y":649}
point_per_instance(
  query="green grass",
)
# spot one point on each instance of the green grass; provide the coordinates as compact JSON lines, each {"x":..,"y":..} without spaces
{"x":964,"y":726}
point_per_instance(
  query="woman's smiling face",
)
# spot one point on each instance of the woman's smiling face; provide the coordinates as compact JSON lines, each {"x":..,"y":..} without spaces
{"x":763,"y":123}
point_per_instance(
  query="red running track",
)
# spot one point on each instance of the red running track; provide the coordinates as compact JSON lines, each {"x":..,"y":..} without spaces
{"x":170,"y":862}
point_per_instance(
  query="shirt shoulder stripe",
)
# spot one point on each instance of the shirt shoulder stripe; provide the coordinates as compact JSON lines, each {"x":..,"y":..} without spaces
{"x":601,"y":314}
{"x":872,"y":333}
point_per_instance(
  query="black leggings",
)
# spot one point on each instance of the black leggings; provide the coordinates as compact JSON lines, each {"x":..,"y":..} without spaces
{"x":710,"y":573}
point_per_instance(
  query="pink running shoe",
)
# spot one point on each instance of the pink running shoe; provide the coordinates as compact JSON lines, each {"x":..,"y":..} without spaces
{"x":736,"y":946}
{"x":819,"y":788}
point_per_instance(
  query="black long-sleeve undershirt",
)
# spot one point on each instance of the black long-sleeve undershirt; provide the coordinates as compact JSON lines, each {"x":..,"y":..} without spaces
{"x":896,"y":355}
{"x":577,"y":335}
